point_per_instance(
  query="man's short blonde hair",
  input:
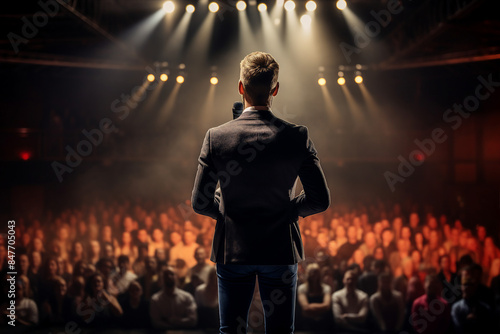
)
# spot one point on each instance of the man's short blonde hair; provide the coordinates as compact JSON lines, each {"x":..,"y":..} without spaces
{"x":259,"y":76}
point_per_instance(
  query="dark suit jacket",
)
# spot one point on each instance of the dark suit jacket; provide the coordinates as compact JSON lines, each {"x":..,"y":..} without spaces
{"x":257,"y":158}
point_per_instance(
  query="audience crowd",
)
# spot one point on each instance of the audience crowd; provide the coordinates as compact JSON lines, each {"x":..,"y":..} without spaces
{"x":368,"y":268}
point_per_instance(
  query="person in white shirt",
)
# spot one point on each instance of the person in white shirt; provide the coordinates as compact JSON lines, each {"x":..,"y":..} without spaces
{"x":172,"y":307}
{"x":350,"y":305}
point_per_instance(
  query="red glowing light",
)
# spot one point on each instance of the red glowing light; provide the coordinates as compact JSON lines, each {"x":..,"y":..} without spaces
{"x":25,"y":155}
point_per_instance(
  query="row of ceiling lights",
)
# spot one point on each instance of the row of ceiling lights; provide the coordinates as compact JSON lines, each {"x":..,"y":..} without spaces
{"x":289,"y":5}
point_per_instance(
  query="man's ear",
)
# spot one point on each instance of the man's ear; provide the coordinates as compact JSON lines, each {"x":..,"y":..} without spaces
{"x":240,"y":88}
{"x":275,"y":92}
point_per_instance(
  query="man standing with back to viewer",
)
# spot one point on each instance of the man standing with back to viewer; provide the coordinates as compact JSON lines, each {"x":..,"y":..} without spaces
{"x":257,"y":158}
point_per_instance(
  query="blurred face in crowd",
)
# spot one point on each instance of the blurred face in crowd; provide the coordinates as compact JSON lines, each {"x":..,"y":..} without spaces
{"x":53,"y":267}
{"x":107,"y":233}
{"x":469,"y":285}
{"x":397,"y":224}
{"x":416,"y":257}
{"x":95,"y":247}
{"x":432,"y":286}
{"x":169,"y":277}
{"x":349,"y":280}
{"x":472,"y":244}
{"x":414,"y":220}
{"x":175,"y":237}
{"x":63,"y":234}
{"x":334,"y":223}
{"x":454,"y":236}
{"x":128,"y":224}
{"x":419,"y":239}
{"x":37,"y":259}
{"x":189,"y":237}
{"x":78,"y":248}
{"x":157,"y":235}
{"x":406,"y":233}
{"x":340,"y":232}
{"x":124,"y":265}
{"x":445,"y":263}
{"x":24,"y":263}
{"x":332,"y":247}
{"x":378,"y":254}
{"x":126,"y":238}
{"x":98,"y":284}
{"x":142,"y":236}
{"x":387,"y":237}
{"x":351,"y":233}
{"x":377,"y":229}
{"x":433,"y":238}
{"x":61,"y":287}
{"x":200,"y":255}
{"x":108,"y":250}
{"x":37,"y":244}
{"x":481,"y":233}
{"x":384,"y":283}
{"x":135,"y":290}
{"x":462,"y":241}
{"x":433,"y":223}
{"x":148,"y":222}
{"x":370,"y":240}
{"x":151,"y":264}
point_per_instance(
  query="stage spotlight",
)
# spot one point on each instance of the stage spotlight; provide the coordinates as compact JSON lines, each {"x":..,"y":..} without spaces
{"x":358,"y":79}
{"x":311,"y":6}
{"x":321,"y":81}
{"x":213,"y":7}
{"x":163,"y":77}
{"x":151,"y":77}
{"x":341,"y":4}
{"x":305,"y":20}
{"x":262,"y":7}
{"x":169,"y":6}
{"x":214,"y":81}
{"x":241,"y":5}
{"x":190,"y":8}
{"x":289,"y":5}
{"x":341,"y":79}
{"x":179,"y":79}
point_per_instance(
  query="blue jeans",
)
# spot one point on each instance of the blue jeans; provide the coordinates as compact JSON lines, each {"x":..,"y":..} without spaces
{"x":277,"y":287}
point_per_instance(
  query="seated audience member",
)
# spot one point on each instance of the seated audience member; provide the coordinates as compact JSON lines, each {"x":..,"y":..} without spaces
{"x":124,"y":276}
{"x":430,"y":313}
{"x":388,"y":244}
{"x":471,"y":314}
{"x":106,"y":268}
{"x":387,"y":306}
{"x":347,"y":249}
{"x":150,"y":282}
{"x":445,"y":274}
{"x":157,"y":242}
{"x":350,"y":306}
{"x":135,"y":308}
{"x":314,"y":299}
{"x":490,"y":254}
{"x":26,"y":311}
{"x":201,"y":268}
{"x":207,"y":300}
{"x":127,"y":247}
{"x":99,"y":309}
{"x":94,"y":251}
{"x":57,"y":307}
{"x":139,"y":266}
{"x":368,"y":247}
{"x":175,"y":252}
{"x":172,"y":307}
{"x":368,"y":281}
{"x":188,"y":250}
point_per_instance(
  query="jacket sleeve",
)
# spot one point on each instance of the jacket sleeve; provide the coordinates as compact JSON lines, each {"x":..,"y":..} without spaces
{"x":203,"y":197}
{"x":315,"y":197}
